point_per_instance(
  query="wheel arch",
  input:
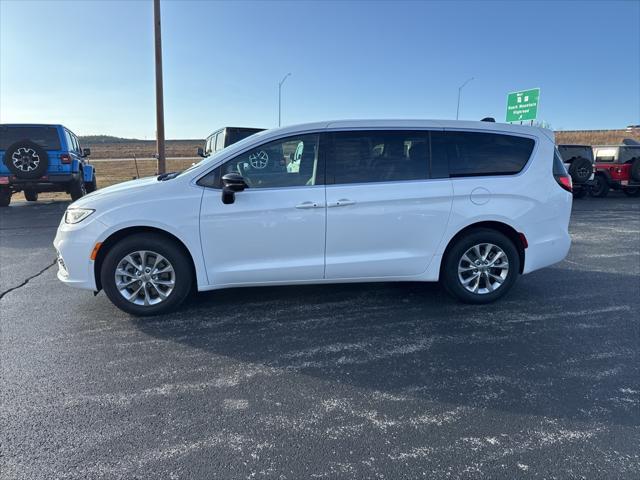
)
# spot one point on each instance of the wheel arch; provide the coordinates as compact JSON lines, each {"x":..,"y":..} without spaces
{"x":507,"y":230}
{"x":118,"y":235}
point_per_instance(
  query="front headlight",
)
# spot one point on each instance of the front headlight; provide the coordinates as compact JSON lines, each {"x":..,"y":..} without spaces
{"x":76,"y":215}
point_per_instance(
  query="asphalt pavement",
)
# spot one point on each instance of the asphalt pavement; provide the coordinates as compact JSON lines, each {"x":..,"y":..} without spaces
{"x":348,"y":381}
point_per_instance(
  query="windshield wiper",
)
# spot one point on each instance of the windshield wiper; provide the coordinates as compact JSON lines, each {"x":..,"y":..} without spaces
{"x":168,"y":176}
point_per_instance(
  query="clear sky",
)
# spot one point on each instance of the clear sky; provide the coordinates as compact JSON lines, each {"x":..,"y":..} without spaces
{"x":89,"y":64}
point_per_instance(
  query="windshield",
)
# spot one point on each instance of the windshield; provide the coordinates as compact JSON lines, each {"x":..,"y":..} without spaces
{"x":235,"y":135}
{"x":46,"y":137}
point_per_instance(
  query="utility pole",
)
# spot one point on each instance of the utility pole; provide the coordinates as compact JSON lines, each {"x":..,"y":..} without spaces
{"x":280,"y":97}
{"x":162,"y":167}
{"x":459,"y":91}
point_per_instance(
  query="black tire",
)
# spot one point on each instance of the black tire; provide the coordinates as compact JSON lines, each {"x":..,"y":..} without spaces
{"x":156,"y":244}
{"x":92,"y":186}
{"x":77,"y":188}
{"x":5,"y":196}
{"x":26,"y":159}
{"x":579,"y":192}
{"x":450,"y":278}
{"x":31,"y":196}
{"x":580,"y":170}
{"x":632,"y":191}
{"x":600,"y":187}
{"x":635,"y":169}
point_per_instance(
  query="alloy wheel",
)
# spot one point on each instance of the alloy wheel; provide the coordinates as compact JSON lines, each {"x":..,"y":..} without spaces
{"x":145,"y":277}
{"x":25,"y":159}
{"x":483,"y":268}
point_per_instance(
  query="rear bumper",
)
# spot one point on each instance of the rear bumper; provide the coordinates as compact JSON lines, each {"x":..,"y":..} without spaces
{"x":618,"y":184}
{"x":547,"y":252}
{"x":586,"y":184}
{"x":42,"y":184}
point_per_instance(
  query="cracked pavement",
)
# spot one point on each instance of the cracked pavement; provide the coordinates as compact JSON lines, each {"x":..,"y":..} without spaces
{"x":347,"y":381}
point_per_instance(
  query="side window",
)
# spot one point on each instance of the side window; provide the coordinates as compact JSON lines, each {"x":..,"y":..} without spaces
{"x":76,"y":144}
{"x":274,"y":165}
{"x":211,"y":143}
{"x":220,"y":141}
{"x":558,"y":164}
{"x":476,"y":153}
{"x":378,"y":156}
{"x":69,"y":138}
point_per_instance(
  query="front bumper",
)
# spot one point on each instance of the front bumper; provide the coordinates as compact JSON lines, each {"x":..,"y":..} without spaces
{"x":74,"y":244}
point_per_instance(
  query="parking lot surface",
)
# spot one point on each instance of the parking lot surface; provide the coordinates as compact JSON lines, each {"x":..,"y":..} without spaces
{"x":347,"y":381}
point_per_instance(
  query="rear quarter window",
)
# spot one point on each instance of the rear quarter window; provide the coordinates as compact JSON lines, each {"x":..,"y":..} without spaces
{"x":46,"y":137}
{"x":478,"y":153}
{"x":558,"y":164}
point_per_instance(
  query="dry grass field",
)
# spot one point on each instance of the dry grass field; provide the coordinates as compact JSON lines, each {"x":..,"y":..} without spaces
{"x":142,"y":148}
{"x":111,"y":172}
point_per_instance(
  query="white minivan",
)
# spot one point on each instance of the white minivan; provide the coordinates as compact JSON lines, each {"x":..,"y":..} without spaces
{"x":472,"y":204}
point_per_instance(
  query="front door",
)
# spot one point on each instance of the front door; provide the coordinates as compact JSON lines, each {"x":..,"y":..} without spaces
{"x":275,"y":229}
{"x":386,"y":215}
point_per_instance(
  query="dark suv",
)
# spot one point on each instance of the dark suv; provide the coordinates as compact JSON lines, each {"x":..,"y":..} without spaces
{"x":42,"y":158}
{"x":224,"y":137}
{"x":578,"y":160}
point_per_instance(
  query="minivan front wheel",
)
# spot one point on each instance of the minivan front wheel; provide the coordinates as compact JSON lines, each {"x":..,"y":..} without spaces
{"x":146,"y":275}
{"x":481,"y":266}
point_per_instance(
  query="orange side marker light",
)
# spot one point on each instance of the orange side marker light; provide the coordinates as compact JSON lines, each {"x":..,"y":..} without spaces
{"x":94,"y":252}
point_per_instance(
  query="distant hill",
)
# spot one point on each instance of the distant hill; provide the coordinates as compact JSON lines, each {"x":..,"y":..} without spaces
{"x":112,"y":139}
{"x":106,"y":139}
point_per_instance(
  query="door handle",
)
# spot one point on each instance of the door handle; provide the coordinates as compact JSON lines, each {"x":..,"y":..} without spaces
{"x":304,"y":205}
{"x":343,"y":202}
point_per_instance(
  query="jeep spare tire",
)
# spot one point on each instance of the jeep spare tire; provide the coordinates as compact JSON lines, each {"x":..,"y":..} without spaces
{"x":635,"y":170}
{"x":26,"y":159}
{"x":580,"y":170}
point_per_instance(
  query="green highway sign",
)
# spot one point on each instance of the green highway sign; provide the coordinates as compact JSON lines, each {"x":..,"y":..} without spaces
{"x":523,"y":105}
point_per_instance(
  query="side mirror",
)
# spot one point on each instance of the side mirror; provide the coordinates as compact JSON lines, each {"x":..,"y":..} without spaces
{"x":201,"y":152}
{"x":232,"y":183}
{"x":86,"y":152}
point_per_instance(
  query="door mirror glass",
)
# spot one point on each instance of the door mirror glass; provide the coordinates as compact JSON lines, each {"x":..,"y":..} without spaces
{"x":86,"y":152}
{"x":201,"y":152}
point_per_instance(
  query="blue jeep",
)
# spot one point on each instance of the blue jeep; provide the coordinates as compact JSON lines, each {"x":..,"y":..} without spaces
{"x":42,"y":158}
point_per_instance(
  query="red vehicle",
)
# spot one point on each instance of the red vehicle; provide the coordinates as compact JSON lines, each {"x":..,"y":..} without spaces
{"x":618,"y":168}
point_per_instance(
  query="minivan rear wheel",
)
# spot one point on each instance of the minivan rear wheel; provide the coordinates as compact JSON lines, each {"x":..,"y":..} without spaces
{"x":481,"y":266}
{"x":146,"y":274}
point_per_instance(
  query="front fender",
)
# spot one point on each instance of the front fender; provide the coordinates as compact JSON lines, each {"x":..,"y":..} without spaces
{"x":87,"y":172}
{"x":189,"y":238}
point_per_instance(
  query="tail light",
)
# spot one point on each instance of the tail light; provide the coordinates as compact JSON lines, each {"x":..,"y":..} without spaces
{"x":565,"y":182}
{"x":560,"y":173}
{"x":65,"y":158}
